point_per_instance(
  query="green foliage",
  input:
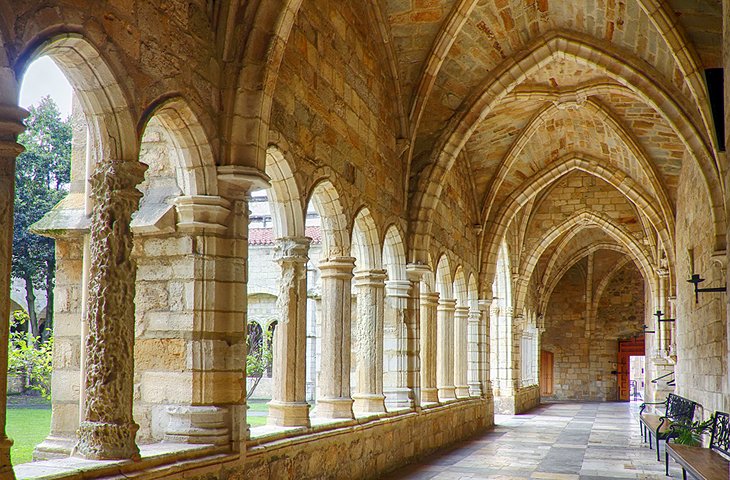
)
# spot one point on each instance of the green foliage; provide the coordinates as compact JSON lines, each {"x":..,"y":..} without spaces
{"x":42,"y":177}
{"x":30,"y":357}
{"x":258,"y":358}
{"x":692,"y":434}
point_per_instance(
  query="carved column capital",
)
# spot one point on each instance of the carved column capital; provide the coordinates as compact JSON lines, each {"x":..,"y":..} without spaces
{"x":416,"y":271}
{"x":11,"y":123}
{"x":447,"y":304}
{"x":430,"y":299}
{"x":202,"y":213}
{"x":337,"y":267}
{"x":236,"y":182}
{"x":370,"y":278}
{"x":292,"y":250}
{"x":485,"y":305}
{"x":461,"y":311}
{"x":398,"y":288}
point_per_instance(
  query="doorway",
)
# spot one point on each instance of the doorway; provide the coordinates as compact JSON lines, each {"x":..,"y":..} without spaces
{"x":628,"y":349}
{"x":546,"y":373}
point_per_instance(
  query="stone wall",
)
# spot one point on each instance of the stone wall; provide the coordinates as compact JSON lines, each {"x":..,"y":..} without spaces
{"x":334,"y":107}
{"x":702,"y":369}
{"x":372,"y":449}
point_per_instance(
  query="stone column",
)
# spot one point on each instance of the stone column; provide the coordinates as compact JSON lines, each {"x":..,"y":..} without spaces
{"x":107,"y":430}
{"x":398,"y":390}
{"x":474,"y":346}
{"x":370,"y":288}
{"x":461,"y":357}
{"x":484,"y":348}
{"x":429,"y":389}
{"x":445,"y":352}
{"x":288,"y":406}
{"x":219,"y":357}
{"x":334,"y":376}
{"x":11,"y":124}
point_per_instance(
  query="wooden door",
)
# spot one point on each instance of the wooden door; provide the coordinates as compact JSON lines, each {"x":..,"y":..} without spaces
{"x":626,"y":350}
{"x":546,"y":373}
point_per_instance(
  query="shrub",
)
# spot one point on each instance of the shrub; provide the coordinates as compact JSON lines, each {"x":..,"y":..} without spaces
{"x":30,"y":357}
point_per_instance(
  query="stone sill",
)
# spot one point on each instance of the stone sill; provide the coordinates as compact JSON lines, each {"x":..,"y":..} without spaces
{"x":167,"y":458}
{"x":269,"y":436}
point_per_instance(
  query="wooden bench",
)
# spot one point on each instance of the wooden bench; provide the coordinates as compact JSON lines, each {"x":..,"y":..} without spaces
{"x":704,"y":463}
{"x":676,"y":410}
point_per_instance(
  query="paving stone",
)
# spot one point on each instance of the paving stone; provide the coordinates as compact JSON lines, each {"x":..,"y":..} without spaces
{"x":605,"y":443}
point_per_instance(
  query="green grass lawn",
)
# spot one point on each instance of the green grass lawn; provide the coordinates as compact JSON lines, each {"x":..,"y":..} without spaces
{"x":27,"y":427}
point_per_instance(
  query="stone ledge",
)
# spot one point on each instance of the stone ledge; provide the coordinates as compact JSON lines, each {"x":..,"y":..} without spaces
{"x":167,"y":456}
{"x":273,"y":437}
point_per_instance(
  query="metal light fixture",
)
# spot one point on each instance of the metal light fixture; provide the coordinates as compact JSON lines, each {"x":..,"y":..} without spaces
{"x":659,"y":314}
{"x":646,"y":330}
{"x":696,"y":280}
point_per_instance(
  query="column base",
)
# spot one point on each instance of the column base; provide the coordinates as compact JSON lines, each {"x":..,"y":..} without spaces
{"x":6,"y":467}
{"x":429,"y":395}
{"x":106,"y":441}
{"x":288,"y":414}
{"x":365,"y":403}
{"x":197,"y":425}
{"x":334,"y":408}
{"x":399,"y":398}
{"x":447,"y":393}
{"x":475,"y":389}
{"x":462,"y":391}
{"x":54,"y":447}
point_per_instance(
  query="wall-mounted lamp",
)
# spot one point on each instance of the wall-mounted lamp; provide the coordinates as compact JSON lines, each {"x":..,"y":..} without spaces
{"x":659,"y":314}
{"x":696,"y":280}
{"x":646,"y":330}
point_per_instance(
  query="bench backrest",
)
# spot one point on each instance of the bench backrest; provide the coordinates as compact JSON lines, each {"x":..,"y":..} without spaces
{"x":720,"y":439}
{"x":679,"y":409}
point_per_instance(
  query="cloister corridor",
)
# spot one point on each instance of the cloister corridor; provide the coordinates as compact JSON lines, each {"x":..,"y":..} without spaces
{"x":329,"y":239}
{"x":555,"y":441}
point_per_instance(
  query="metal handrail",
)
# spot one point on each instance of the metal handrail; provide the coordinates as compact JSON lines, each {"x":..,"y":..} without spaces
{"x":663,"y":376}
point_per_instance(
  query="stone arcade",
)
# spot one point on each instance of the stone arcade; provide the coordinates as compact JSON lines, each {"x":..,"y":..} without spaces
{"x":506,"y":188}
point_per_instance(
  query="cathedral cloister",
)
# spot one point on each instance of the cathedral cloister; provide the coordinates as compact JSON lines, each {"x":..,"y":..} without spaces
{"x":508,"y":195}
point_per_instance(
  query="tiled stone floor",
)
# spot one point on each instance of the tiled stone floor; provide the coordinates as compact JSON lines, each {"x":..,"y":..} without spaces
{"x":559,"y":441}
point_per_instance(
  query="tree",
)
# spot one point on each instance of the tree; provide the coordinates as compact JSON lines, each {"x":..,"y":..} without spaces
{"x":42,"y":178}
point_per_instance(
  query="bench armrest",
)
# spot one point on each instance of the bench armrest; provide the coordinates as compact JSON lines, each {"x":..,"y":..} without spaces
{"x":643,"y":405}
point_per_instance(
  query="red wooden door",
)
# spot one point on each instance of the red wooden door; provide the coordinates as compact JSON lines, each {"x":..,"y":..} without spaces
{"x":626,"y":350}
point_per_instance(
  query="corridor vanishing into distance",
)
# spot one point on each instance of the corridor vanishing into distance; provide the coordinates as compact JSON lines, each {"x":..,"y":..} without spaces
{"x":324,"y":239}
{"x":556,"y":441}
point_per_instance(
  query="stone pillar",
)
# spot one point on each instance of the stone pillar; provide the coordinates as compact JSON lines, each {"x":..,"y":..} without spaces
{"x":107,"y":429}
{"x":370,"y":288}
{"x":398,"y":359}
{"x":11,"y":124}
{"x":288,"y":406}
{"x":219,"y":357}
{"x":445,"y":352}
{"x":474,"y":346}
{"x":461,"y":357}
{"x":334,"y":376}
{"x":484,"y":348}
{"x":429,"y":389}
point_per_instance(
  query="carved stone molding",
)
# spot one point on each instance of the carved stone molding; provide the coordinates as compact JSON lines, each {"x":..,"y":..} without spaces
{"x":202,"y":213}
